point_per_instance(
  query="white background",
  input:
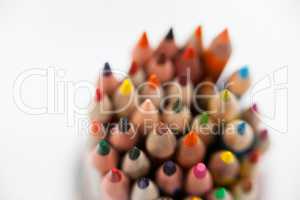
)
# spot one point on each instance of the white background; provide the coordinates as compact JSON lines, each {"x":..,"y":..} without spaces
{"x":38,"y":153}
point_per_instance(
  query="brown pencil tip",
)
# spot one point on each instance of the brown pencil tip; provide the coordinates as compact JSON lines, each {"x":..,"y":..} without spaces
{"x":183,"y":80}
{"x":143,"y":42}
{"x":133,"y":68}
{"x":161,"y":59}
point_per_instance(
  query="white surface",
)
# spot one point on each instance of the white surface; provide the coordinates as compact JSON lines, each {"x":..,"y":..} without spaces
{"x":38,"y":152}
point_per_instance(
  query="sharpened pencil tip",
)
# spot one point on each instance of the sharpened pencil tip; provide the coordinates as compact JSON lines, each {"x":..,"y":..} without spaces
{"x":170,"y":35}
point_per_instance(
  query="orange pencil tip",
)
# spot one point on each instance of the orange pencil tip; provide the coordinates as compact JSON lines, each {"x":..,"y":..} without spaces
{"x":223,"y":37}
{"x":153,"y":81}
{"x":189,"y":53}
{"x":191,"y":139}
{"x":95,"y":127}
{"x":198,"y":32}
{"x":143,"y":42}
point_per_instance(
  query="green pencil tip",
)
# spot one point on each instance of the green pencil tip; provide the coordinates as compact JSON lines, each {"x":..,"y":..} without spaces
{"x":220,"y":193}
{"x":177,"y":107}
{"x":203,"y":118}
{"x":103,"y":147}
{"x":134,"y":153}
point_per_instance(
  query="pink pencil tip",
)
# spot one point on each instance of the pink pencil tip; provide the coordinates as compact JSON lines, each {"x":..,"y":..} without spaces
{"x":200,"y":170}
{"x":254,"y":108}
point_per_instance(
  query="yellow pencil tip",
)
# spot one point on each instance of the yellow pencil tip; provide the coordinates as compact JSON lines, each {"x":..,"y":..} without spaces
{"x":225,"y":95}
{"x":126,"y":87}
{"x":227,"y":157}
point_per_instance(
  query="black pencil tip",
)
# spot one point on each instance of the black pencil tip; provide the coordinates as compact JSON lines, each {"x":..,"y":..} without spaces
{"x":107,"y":69}
{"x":170,"y":35}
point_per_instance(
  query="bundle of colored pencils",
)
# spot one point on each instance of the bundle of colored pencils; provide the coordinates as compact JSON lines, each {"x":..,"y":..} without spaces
{"x":167,"y":131}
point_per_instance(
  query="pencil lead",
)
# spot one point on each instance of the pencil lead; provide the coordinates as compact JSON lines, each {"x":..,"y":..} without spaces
{"x":189,"y":53}
{"x":143,"y":183}
{"x":170,"y":35}
{"x":244,"y":72}
{"x":98,"y":95}
{"x":143,"y":42}
{"x":124,"y":124}
{"x":220,"y":193}
{"x":225,"y":95}
{"x":183,"y":80}
{"x":126,"y":87}
{"x":115,"y":175}
{"x":153,"y":81}
{"x":200,"y":170}
{"x":241,"y":128}
{"x":191,"y":139}
{"x":227,"y":157}
{"x":203,"y":118}
{"x":177,"y":107}
{"x":103,"y":147}
{"x":169,"y":168}
{"x":134,"y":153}
{"x":161,"y":59}
{"x":198,"y":32}
{"x":107,"y":69}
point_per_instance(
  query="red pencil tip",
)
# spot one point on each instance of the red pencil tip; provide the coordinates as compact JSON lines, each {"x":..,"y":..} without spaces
{"x":98,"y":95}
{"x":133,"y":68}
{"x":198,"y":32}
{"x":189,"y":53}
{"x":143,"y":42}
{"x":254,"y":157}
{"x":115,"y":175}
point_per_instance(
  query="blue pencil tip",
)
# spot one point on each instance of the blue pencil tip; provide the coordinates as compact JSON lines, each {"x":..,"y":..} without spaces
{"x":244,"y":72}
{"x":241,"y":128}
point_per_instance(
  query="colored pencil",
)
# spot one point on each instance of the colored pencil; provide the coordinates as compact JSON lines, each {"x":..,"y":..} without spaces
{"x":169,"y":177}
{"x":115,"y":185}
{"x":135,"y":163}
{"x":104,"y":153}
